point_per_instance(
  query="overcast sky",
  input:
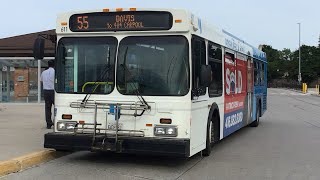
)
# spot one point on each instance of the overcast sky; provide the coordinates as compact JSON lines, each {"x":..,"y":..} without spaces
{"x":272,"y":22}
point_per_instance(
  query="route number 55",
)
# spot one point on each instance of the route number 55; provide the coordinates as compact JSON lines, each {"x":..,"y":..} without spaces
{"x":83,"y":22}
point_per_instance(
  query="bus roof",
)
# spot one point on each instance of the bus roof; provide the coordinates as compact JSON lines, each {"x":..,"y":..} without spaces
{"x":224,"y":38}
{"x":182,"y":21}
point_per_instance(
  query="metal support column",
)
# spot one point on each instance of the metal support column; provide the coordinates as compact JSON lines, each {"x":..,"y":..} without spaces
{"x":8,"y":84}
{"x":299,"y":75}
{"x":39,"y":81}
{"x":1,"y":84}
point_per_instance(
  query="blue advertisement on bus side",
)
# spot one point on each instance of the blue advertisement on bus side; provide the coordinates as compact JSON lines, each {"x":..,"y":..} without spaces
{"x":232,"y":122}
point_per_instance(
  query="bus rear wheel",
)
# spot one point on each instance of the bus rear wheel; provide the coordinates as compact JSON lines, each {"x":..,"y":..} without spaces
{"x":256,"y":122}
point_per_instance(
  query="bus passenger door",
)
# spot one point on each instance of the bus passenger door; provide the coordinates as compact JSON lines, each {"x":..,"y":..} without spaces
{"x":241,"y":89}
{"x":199,"y":105}
{"x":249,"y":90}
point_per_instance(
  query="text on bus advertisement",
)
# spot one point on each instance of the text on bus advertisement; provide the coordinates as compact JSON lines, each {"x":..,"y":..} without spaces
{"x":233,"y":120}
{"x":233,"y":83}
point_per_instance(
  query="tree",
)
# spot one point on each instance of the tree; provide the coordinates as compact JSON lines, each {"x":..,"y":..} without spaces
{"x":273,"y":57}
{"x":285,"y":62}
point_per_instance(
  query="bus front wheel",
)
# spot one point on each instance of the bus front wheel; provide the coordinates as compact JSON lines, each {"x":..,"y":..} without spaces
{"x":209,"y":139}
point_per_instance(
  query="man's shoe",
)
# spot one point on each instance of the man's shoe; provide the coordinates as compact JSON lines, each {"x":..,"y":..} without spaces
{"x":49,"y":126}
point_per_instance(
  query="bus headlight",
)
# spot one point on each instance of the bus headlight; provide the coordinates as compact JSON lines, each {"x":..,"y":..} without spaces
{"x":61,"y":126}
{"x":66,"y":126}
{"x":166,"y":131}
{"x":160,"y":130}
{"x":70,"y":126}
{"x":171,"y":131}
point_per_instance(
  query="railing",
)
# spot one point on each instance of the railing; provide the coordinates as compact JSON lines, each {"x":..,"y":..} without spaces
{"x":95,"y":83}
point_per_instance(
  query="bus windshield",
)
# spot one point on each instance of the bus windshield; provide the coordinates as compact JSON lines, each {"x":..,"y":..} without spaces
{"x":86,"y":65}
{"x":153,"y":66}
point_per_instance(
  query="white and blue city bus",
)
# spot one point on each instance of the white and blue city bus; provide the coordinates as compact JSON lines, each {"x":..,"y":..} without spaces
{"x":158,"y":81}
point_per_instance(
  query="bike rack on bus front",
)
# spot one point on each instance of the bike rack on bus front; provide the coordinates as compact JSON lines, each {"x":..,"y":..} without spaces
{"x":116,"y":108}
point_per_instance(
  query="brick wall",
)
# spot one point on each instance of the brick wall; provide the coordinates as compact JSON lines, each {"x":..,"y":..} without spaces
{"x":21,"y":83}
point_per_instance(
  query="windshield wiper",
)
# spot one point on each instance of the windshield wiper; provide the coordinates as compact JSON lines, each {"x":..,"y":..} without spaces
{"x":173,"y":60}
{"x":142,"y":100}
{"x":102,"y":77}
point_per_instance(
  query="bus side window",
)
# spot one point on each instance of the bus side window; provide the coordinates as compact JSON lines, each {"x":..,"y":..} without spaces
{"x":230,"y":68}
{"x":198,"y":59}
{"x":215,"y":61}
{"x":261,"y":74}
{"x":256,"y":73}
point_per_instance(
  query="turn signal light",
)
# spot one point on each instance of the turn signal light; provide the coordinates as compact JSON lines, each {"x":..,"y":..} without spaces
{"x":64,"y":23}
{"x":106,"y":10}
{"x":165,"y":121}
{"x":133,"y":9}
{"x":178,"y":21}
{"x":119,"y":9}
{"x":66,"y":116}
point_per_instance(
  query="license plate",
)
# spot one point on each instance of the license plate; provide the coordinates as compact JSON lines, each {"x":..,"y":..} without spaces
{"x":112,"y":126}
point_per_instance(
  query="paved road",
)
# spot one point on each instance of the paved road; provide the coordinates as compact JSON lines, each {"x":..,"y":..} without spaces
{"x":286,"y":145}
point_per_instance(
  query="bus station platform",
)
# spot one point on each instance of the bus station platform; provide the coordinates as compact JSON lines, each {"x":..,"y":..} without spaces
{"x":22,"y":129}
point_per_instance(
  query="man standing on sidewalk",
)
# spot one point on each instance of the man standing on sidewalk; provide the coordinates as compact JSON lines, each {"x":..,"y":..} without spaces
{"x":47,"y":78}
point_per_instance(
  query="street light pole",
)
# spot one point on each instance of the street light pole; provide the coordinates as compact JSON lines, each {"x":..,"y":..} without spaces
{"x":299,"y":76}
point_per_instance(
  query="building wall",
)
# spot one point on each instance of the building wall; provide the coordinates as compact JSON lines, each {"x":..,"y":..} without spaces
{"x":21,"y":83}
{"x":19,"y":79}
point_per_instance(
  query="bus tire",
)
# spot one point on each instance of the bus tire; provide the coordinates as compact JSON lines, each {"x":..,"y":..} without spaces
{"x":256,"y":122}
{"x":207,"y":150}
{"x":63,"y":150}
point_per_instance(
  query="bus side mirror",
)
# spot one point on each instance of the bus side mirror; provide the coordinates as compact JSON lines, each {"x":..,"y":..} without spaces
{"x":38,"y":48}
{"x":205,"y":75}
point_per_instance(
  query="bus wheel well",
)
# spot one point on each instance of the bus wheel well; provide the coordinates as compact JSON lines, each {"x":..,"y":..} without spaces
{"x":216,"y":122}
{"x":215,"y":118}
{"x":213,"y":129}
{"x":260,"y":107}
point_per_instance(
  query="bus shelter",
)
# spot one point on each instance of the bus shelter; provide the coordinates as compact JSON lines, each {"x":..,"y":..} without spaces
{"x":19,"y":71}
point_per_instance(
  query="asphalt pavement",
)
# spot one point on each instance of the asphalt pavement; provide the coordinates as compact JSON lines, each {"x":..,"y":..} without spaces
{"x":286,"y":145}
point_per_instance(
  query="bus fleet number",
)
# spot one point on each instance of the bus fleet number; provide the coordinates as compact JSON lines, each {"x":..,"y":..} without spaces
{"x":64,"y":29}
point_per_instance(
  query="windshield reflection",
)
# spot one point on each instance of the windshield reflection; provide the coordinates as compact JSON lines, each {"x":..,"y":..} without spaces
{"x":156,"y":65}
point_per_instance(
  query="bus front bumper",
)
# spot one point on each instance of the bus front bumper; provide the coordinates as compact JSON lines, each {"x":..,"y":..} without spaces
{"x":136,"y":145}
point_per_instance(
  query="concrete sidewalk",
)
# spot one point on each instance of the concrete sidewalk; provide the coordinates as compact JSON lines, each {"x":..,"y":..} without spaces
{"x":22,"y":127}
{"x":311,"y":91}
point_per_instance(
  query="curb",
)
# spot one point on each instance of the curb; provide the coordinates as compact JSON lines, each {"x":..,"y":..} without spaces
{"x":317,"y":95}
{"x":291,"y":90}
{"x":311,"y":93}
{"x":26,"y":161}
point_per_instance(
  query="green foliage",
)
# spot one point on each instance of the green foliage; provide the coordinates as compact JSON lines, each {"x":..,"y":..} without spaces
{"x":285,"y":64}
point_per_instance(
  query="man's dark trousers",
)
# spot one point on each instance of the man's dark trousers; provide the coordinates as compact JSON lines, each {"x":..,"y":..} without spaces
{"x":49,"y":101}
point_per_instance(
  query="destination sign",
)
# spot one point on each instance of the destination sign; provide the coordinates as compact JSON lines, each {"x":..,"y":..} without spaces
{"x":121,"y":21}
